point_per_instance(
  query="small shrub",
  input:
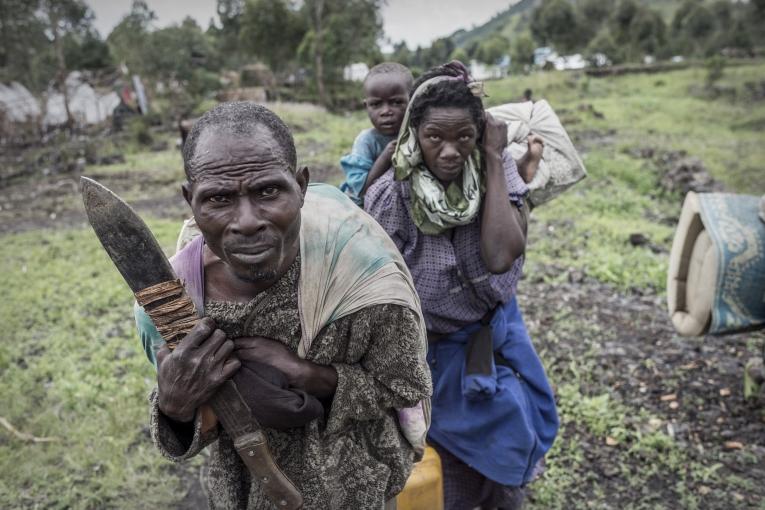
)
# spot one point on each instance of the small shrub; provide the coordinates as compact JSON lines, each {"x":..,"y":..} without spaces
{"x":715,"y":67}
{"x":138,"y":130}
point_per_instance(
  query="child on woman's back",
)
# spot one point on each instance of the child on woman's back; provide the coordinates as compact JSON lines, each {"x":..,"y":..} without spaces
{"x":386,"y":91}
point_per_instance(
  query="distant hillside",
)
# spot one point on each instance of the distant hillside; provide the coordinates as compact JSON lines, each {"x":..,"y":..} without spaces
{"x":516,"y":18}
{"x":506,"y":22}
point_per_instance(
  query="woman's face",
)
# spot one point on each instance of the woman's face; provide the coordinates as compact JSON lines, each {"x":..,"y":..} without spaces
{"x":447,"y":137}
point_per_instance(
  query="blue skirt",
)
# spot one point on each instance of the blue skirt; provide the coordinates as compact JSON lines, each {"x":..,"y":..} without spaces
{"x":501,"y":422}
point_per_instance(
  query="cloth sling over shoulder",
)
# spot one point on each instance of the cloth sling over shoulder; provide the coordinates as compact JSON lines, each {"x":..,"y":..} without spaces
{"x":348,"y":262}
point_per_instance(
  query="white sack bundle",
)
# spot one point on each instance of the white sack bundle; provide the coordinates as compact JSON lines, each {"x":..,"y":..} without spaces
{"x":561,"y":167}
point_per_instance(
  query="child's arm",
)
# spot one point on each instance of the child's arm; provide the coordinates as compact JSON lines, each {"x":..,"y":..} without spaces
{"x":381,"y":165}
{"x":528,"y":164}
{"x":356,"y":165}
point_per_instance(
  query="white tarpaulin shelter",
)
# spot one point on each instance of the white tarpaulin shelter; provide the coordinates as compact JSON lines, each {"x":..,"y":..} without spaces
{"x":355,"y":72}
{"x":86,"y":105}
{"x":17,"y":104}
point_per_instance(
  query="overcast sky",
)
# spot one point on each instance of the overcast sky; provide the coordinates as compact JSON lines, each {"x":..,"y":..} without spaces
{"x":416,"y":21}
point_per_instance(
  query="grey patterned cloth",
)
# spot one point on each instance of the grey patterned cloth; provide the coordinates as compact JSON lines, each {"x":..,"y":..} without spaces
{"x":454,"y":286}
{"x":353,"y":457}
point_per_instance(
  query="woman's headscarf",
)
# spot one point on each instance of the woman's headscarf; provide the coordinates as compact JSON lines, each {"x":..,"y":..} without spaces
{"x":435,"y":209}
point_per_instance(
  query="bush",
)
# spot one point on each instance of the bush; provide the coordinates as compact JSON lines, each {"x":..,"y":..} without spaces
{"x":344,"y":96}
{"x":715,"y":67}
{"x":138,"y":131}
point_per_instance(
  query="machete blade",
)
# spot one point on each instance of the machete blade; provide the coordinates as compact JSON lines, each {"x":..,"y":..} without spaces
{"x":125,"y":237}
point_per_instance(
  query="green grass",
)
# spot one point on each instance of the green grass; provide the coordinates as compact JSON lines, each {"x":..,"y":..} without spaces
{"x":666,"y":111}
{"x":143,"y":164}
{"x":621,"y":195}
{"x":71,"y":368}
{"x":322,"y":138}
{"x":588,"y":227}
{"x":638,"y":450}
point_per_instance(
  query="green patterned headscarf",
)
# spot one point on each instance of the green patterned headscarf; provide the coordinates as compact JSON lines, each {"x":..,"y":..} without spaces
{"x":435,"y":209}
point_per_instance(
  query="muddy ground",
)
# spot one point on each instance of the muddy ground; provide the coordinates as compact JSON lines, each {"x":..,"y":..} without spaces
{"x":43,"y":192}
{"x":691,"y":388}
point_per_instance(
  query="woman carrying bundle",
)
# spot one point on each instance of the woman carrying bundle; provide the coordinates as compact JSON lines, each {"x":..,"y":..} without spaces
{"x":455,"y":207}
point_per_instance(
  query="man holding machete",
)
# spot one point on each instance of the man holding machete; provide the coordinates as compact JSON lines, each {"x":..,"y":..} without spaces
{"x":311,"y":312}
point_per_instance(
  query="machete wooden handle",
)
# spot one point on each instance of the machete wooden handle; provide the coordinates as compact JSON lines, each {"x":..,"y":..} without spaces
{"x":255,"y":453}
{"x":251,"y":445}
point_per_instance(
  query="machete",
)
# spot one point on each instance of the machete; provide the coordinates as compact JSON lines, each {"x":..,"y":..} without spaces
{"x":139,"y":258}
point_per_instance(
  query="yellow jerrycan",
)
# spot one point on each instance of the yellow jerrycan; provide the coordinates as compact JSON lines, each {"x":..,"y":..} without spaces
{"x":424,"y":490}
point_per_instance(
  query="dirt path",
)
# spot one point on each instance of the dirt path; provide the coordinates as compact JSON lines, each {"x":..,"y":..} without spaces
{"x":624,"y":346}
{"x":46,"y":202}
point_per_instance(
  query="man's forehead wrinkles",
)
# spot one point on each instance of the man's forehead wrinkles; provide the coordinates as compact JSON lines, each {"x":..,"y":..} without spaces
{"x":237,"y":173}
{"x":246,"y":178}
{"x":244,"y":165}
{"x":233,"y":154}
{"x":241,"y":158}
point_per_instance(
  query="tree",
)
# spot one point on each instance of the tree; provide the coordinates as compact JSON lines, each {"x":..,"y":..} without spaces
{"x":622,"y":20}
{"x":128,"y":40}
{"x":24,"y":47}
{"x":86,"y":51}
{"x":461,"y":55}
{"x":402,"y":54}
{"x":648,"y":32}
{"x":418,"y":58}
{"x":591,"y":16}
{"x":756,"y":17}
{"x":182,"y":53}
{"x":43,"y":39}
{"x":681,"y":13}
{"x":227,"y":37}
{"x":605,"y":44}
{"x":271,"y":31}
{"x":554,"y":23}
{"x":739,"y":36}
{"x":722,"y":12}
{"x":693,"y":26}
{"x":493,"y":49}
{"x":472,"y":49}
{"x":633,"y":32}
{"x":439,"y":52}
{"x":313,"y":44}
{"x":62,"y":17}
{"x":181,"y":56}
{"x":523,"y":52}
{"x":699,"y":23}
{"x":339,"y":32}
{"x":229,"y":12}
{"x":730,"y":28}
{"x":594,"y":12}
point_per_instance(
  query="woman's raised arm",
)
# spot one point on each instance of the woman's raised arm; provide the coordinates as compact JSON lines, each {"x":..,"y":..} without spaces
{"x":502,"y":235}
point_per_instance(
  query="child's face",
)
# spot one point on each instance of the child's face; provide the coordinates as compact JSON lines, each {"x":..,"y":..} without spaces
{"x":386,"y":98}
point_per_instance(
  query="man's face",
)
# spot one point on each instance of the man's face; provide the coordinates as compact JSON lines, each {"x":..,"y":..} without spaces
{"x":246,"y":201}
{"x":386,"y":98}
